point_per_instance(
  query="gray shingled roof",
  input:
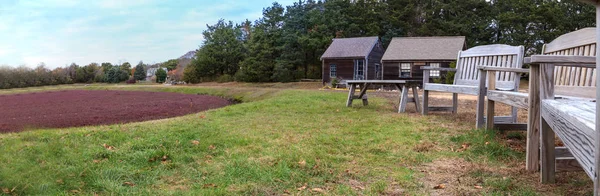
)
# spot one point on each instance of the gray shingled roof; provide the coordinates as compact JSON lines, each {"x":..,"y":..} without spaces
{"x":424,"y":48}
{"x":350,"y":47}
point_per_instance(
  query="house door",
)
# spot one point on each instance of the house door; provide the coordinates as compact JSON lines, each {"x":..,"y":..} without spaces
{"x":359,"y":69}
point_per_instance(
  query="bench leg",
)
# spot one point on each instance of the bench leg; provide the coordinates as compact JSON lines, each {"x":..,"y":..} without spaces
{"x":514,"y":114}
{"x":490,"y":115}
{"x":403,"y":100}
{"x":416,"y":98}
{"x":454,"y":103}
{"x":425,"y":109}
{"x":351,"y":95}
{"x":480,"y":108}
{"x":363,"y":93}
{"x":547,"y":153}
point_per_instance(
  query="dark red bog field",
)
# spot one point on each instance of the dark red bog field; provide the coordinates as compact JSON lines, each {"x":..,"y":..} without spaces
{"x":74,"y":108}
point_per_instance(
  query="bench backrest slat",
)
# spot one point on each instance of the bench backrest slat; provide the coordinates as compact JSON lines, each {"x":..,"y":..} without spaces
{"x":497,"y":55}
{"x":574,"y":81}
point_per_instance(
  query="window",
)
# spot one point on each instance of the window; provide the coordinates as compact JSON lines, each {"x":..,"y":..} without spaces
{"x":405,"y":70}
{"x":434,"y":73}
{"x":377,"y":70}
{"x":333,"y":70}
{"x":359,"y":70}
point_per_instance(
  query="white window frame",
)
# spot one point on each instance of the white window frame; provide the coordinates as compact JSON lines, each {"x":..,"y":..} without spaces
{"x":435,"y":73}
{"x":332,"y":70}
{"x":358,"y":67}
{"x":405,"y":68}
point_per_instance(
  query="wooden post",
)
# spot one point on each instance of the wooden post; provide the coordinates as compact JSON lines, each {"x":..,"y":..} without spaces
{"x":533,"y":120}
{"x":481,"y":99}
{"x":416,"y":98}
{"x":490,"y":103}
{"x":351,"y":95}
{"x":597,"y":133}
{"x":403,"y":99}
{"x":547,"y":135}
{"x":425,"y":108}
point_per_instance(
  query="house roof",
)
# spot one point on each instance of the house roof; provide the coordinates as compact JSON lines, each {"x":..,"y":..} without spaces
{"x":424,"y":48}
{"x":350,"y":47}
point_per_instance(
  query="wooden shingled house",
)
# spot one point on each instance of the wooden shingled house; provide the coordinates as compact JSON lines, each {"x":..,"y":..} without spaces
{"x":405,"y":56}
{"x":353,"y":59}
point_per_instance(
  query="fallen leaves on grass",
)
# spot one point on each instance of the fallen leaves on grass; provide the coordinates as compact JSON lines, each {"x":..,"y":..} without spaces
{"x":211,"y":185}
{"x":302,"y":163}
{"x":212,"y":147}
{"x":195,"y":142}
{"x":131,"y":184}
{"x":301,"y":188}
{"x":202,"y":116}
{"x":108,"y":147}
{"x":478,"y":187}
{"x":8,"y":191}
{"x":440,"y":186}
{"x":318,"y":190}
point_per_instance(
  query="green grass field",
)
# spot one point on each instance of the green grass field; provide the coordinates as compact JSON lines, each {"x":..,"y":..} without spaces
{"x":277,"y":142}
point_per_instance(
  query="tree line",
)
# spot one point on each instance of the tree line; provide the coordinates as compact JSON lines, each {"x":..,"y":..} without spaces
{"x":285,"y":44}
{"x":24,"y":76}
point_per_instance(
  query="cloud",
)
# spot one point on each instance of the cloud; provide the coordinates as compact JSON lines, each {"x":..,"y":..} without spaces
{"x":116,"y":4}
{"x":59,"y":32}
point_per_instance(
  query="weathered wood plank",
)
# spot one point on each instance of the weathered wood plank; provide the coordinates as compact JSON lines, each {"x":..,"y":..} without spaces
{"x":533,"y":120}
{"x":576,"y":91}
{"x":574,"y":123}
{"x":440,"y":109}
{"x":547,"y":163}
{"x":510,"y":126}
{"x":403,"y":99}
{"x":481,"y":97}
{"x":562,"y":152}
{"x":415,"y":98}
{"x":516,"y":99}
{"x":578,"y":61}
{"x":351,"y":95}
{"x":470,"y":90}
{"x":505,"y":69}
{"x":490,"y":103}
{"x":567,"y":164}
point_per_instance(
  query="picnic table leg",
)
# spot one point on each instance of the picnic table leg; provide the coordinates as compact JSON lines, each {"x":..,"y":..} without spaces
{"x":351,"y":95}
{"x":363,"y":93}
{"x":416,"y":98}
{"x":403,"y":100}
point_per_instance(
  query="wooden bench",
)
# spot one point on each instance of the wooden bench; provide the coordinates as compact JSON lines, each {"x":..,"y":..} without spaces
{"x":570,"y":82}
{"x":469,"y":80}
{"x":573,"y":120}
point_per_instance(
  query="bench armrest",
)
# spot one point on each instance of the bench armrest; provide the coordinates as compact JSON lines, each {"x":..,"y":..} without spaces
{"x":505,"y":69}
{"x":438,"y":68}
{"x":563,"y":60}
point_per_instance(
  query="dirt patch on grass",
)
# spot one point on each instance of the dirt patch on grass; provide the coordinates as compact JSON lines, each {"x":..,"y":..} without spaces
{"x":82,"y":108}
{"x":455,"y":176}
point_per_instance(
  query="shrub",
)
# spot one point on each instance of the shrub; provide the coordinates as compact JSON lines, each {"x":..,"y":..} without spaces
{"x":131,"y":81}
{"x":225,"y":78}
{"x":334,"y":82}
{"x":161,"y":75}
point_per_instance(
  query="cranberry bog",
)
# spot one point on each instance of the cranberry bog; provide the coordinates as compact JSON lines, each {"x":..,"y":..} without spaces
{"x":73,"y":108}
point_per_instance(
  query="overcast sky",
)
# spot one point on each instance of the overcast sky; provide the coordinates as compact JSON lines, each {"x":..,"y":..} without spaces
{"x":58,"y":32}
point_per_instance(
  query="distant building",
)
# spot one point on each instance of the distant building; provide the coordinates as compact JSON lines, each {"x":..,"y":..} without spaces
{"x":353,"y":59}
{"x":405,"y":56}
{"x":152,"y":72}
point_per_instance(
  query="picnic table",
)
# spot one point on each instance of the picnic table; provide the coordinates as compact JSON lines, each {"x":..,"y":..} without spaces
{"x":401,"y":85}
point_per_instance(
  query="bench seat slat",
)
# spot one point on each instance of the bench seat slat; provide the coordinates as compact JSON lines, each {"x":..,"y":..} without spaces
{"x":574,"y":123}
